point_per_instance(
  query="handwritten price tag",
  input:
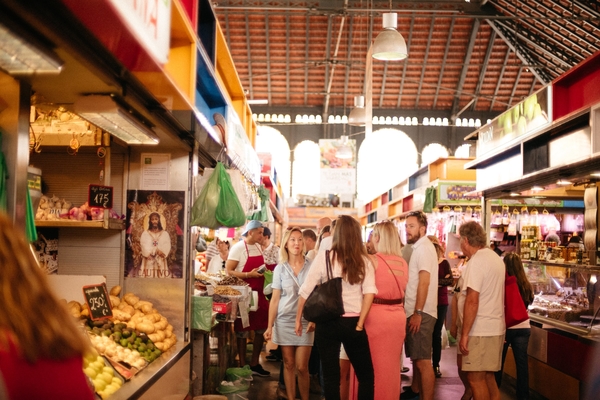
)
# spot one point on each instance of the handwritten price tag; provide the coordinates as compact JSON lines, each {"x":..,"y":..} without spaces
{"x":100,"y":196}
{"x":98,"y":301}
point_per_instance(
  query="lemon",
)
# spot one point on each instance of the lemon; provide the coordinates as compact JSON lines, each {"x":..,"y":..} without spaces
{"x":91,"y":372}
{"x":99,"y":385}
{"x":116,"y":382}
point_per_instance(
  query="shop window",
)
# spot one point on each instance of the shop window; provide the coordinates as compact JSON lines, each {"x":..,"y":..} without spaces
{"x":306,"y":169}
{"x":385,"y":158}
{"x":270,"y":140}
{"x":432,"y":152}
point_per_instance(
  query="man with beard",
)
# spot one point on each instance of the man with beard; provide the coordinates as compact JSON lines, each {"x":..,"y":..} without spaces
{"x":420,"y":303}
{"x":156,"y":246}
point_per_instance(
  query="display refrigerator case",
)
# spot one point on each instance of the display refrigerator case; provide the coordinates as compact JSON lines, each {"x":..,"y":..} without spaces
{"x":566,"y":295}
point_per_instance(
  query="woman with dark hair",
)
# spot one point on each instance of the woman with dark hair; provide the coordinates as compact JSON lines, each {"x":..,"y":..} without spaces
{"x":444,"y":280}
{"x":350,"y":261}
{"x":517,"y":336}
{"x":41,"y":348}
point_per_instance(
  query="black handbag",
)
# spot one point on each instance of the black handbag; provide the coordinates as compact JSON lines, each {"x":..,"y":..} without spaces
{"x":325,"y":302}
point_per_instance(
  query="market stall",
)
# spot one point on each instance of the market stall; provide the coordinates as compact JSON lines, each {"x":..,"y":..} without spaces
{"x":537,"y":169}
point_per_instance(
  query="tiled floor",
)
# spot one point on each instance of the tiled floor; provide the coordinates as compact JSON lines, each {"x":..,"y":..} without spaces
{"x":448,"y":387}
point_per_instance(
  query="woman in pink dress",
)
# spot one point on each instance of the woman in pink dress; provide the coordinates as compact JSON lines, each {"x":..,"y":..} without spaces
{"x":387,"y":312}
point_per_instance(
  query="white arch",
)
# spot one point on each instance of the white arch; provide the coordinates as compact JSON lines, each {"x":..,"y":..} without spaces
{"x":432,"y":152}
{"x":306,"y":169}
{"x":270,"y":140}
{"x":462,"y":151}
{"x":385,"y":158}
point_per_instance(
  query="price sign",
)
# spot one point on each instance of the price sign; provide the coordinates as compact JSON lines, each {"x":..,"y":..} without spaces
{"x":98,"y":301}
{"x":100,"y":196}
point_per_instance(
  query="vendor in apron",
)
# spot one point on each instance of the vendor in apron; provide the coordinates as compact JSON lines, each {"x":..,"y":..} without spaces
{"x":244,"y":260}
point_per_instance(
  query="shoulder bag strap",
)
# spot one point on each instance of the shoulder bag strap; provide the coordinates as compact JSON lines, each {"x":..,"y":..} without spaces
{"x":328,"y":264}
{"x":394,"y":275}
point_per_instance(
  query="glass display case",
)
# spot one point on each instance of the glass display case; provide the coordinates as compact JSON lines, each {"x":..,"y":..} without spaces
{"x":566,"y":295}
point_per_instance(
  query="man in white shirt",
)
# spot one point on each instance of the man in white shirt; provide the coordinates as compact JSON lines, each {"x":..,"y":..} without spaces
{"x":420,"y":303}
{"x":481,"y":312}
{"x":309,"y":238}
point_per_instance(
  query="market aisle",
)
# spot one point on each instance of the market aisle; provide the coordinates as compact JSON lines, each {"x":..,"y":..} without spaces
{"x":449,"y":387}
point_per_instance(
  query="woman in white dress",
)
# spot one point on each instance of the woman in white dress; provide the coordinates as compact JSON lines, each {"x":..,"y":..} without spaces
{"x":288,"y":276}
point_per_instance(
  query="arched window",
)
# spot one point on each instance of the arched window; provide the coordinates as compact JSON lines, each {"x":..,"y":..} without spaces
{"x":432,"y":152}
{"x":385,"y":158}
{"x":270,"y":140}
{"x":462,"y":151}
{"x":306,"y":169}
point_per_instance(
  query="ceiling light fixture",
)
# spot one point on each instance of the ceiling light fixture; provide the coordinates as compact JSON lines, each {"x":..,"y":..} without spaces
{"x":21,"y":56}
{"x":389,"y":44}
{"x":563,"y":182}
{"x":537,"y":189}
{"x":258,"y":101}
{"x":102,"y":111}
{"x":344,"y":151}
{"x":357,"y":115}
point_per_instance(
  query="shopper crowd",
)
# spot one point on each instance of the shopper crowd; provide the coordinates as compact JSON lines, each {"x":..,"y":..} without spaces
{"x":390,"y":302}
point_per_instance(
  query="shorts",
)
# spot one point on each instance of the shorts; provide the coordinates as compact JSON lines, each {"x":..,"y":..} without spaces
{"x":485,"y":354}
{"x":246,"y":334}
{"x":419,"y":345}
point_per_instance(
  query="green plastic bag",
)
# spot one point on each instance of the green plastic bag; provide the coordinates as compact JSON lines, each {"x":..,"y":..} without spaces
{"x":235,"y":374}
{"x":229,"y":211}
{"x":202,"y":313}
{"x":262,"y":215}
{"x":205,"y":206}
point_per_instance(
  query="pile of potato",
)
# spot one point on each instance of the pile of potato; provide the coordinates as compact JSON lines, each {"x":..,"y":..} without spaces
{"x":143,"y":317}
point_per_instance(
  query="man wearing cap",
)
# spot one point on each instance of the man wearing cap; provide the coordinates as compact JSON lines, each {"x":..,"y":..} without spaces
{"x":244,"y":260}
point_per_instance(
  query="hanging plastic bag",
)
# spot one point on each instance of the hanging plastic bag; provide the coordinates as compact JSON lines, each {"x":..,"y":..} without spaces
{"x":262,"y":214}
{"x":229,"y":210}
{"x":205,"y":206}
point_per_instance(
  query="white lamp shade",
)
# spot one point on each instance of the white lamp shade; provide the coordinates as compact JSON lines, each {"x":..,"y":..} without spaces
{"x":357,"y":117}
{"x":389,"y":44}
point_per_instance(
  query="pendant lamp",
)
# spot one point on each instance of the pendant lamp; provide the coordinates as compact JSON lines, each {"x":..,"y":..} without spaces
{"x":357,"y":115}
{"x":389,"y":44}
{"x":344,"y":151}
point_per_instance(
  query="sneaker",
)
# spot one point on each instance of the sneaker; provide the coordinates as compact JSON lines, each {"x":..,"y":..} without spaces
{"x":409,"y":395}
{"x":259,"y":370}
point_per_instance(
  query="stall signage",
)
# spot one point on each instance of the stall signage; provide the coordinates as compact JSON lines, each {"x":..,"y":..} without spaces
{"x":240,"y":149}
{"x":150,"y":23}
{"x":457,"y":192}
{"x":100,"y":196}
{"x":98,"y":301}
{"x":516,"y":124}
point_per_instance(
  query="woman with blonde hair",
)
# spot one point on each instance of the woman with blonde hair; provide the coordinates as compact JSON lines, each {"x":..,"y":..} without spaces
{"x":350,"y":261}
{"x":288,"y":276}
{"x":41,"y":349}
{"x":391,"y":277}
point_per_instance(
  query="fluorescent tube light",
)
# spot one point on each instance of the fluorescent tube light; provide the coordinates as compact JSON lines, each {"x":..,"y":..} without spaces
{"x":19,"y":56}
{"x":102,"y":111}
{"x":258,"y":101}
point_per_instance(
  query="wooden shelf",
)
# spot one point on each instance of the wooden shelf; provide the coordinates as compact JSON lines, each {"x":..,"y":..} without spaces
{"x":67,"y":223}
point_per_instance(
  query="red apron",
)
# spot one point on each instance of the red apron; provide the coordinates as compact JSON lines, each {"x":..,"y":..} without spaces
{"x":258,"y":319}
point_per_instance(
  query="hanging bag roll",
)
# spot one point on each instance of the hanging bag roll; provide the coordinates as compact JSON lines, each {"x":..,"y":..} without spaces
{"x":514,"y":308}
{"x":325,"y":302}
